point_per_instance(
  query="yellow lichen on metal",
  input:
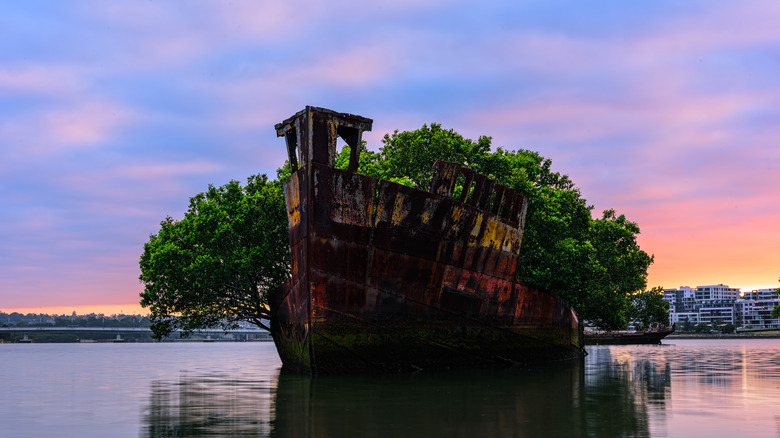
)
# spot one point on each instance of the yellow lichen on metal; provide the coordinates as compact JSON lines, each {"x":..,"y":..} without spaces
{"x":511,"y":240}
{"x":293,"y":200}
{"x":493,"y":237}
{"x":427,"y":213}
{"x":477,"y":228}
{"x":455,"y":219}
{"x":400,"y":210}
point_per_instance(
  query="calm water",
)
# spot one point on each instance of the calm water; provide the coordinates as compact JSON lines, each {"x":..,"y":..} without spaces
{"x":684,"y":388}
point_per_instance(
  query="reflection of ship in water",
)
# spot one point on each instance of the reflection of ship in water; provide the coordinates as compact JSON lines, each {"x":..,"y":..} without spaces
{"x":544,"y":401}
{"x":614,"y":391}
{"x":457,"y":403}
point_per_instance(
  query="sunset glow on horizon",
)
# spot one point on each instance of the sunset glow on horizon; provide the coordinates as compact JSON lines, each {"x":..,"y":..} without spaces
{"x":115,"y":113}
{"x":110,"y":309}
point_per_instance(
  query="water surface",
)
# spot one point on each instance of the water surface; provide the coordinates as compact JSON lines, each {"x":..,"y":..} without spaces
{"x":690,"y":388}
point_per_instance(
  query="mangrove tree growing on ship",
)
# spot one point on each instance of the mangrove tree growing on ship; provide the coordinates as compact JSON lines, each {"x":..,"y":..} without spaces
{"x":217,"y":265}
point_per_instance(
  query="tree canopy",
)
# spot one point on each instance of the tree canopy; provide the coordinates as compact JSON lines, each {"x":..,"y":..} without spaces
{"x":217,"y":265}
{"x":648,"y":307}
{"x":595,"y":264}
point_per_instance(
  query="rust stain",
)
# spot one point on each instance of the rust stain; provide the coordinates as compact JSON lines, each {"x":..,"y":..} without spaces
{"x":389,"y":277}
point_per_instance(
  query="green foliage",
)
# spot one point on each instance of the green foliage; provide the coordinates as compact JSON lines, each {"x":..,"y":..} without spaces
{"x":216,"y":266}
{"x":621,"y":273}
{"x":410,"y":155}
{"x":648,"y":307}
{"x":593,"y":263}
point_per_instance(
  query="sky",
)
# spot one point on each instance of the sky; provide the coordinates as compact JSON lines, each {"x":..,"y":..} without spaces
{"x":113,"y":114}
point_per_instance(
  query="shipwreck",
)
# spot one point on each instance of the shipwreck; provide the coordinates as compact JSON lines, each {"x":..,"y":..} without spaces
{"x":387,"y":277}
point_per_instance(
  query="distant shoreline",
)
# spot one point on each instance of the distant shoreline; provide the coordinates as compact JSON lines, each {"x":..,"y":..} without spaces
{"x":723,"y":336}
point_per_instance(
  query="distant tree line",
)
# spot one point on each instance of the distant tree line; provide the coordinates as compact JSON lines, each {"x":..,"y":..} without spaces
{"x":16,"y":319}
{"x":716,"y":326}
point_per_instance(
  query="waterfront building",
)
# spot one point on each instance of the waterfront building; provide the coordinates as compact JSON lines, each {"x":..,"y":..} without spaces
{"x":716,"y":312}
{"x":755,"y":309}
{"x":680,"y":300}
{"x":761,"y":294}
{"x":682,"y":318}
{"x":718,"y":292}
{"x":721,"y":304}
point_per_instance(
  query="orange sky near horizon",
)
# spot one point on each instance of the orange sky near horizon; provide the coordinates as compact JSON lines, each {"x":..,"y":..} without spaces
{"x":105,"y":309}
{"x":711,"y":259}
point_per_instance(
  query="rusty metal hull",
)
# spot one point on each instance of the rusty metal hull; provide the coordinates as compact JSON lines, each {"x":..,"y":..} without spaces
{"x":387,"y":277}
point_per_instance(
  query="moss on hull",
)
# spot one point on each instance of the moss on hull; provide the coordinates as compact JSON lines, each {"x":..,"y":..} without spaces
{"x":388,"y":277}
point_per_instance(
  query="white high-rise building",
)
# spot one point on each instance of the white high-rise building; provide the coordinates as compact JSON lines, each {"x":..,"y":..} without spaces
{"x":716,"y":292}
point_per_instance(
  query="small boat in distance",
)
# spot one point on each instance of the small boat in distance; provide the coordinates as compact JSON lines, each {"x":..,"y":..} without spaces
{"x":651,"y":336}
{"x":387,"y":277}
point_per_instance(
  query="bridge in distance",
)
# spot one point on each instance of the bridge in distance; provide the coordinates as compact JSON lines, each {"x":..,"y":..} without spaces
{"x":236,"y":334}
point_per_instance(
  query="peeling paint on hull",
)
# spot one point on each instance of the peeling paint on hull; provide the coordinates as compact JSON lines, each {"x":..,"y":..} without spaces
{"x":386,"y":277}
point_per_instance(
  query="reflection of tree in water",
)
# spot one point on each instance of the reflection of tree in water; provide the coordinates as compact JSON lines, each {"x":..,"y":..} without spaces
{"x":623,"y":383}
{"x":209,"y":405}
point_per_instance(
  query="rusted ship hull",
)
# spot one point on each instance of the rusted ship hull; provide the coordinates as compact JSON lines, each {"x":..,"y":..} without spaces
{"x":387,"y":277}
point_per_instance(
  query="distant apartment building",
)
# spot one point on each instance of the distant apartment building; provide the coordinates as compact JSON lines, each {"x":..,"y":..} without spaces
{"x":721,"y":304}
{"x":681,"y":304}
{"x":719,"y":292}
{"x":755,"y":309}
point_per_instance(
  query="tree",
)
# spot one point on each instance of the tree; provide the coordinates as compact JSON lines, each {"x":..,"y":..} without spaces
{"x":216,"y":266}
{"x":594,"y":264}
{"x":614,"y":295}
{"x":776,"y":311}
{"x":410,"y":155}
{"x":648,"y":307}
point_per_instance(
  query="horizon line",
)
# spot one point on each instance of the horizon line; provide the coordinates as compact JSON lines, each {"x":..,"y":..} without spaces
{"x":82,"y":309}
{"x":136,"y":309}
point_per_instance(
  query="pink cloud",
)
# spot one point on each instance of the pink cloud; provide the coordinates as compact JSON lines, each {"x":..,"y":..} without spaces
{"x":207,"y":26}
{"x":166,"y":170}
{"x":39,"y":79}
{"x":86,"y":123}
{"x":81,"y":124}
{"x":727,"y":26}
